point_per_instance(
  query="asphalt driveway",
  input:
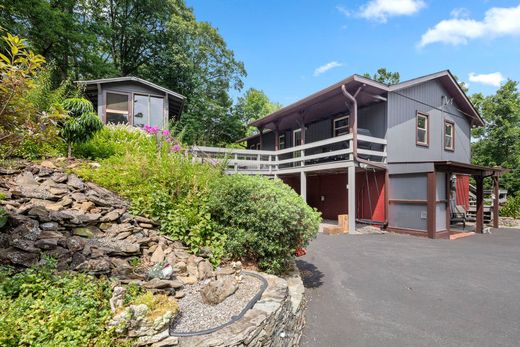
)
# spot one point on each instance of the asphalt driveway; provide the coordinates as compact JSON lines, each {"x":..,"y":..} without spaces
{"x":397,"y":290}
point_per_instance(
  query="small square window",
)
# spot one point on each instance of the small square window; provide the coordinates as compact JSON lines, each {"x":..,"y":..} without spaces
{"x":422,"y":130}
{"x":449,"y":136}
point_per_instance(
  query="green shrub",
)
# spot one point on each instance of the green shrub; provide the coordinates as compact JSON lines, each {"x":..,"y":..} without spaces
{"x":511,"y":207}
{"x":42,"y":308}
{"x":115,"y":140}
{"x":265,"y":220}
{"x":162,"y":185}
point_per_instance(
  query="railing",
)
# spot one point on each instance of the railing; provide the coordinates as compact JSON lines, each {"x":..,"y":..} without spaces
{"x":319,"y":153}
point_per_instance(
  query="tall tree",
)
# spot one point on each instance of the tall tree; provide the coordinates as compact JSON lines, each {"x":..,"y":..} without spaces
{"x":254,"y":104}
{"x":384,"y":76}
{"x":499,"y":141}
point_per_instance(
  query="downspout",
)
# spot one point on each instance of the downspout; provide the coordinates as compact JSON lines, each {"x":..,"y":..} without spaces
{"x":353,"y":113}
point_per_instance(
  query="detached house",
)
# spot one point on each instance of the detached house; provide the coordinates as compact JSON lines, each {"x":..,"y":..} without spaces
{"x":380,"y":154}
{"x":133,"y":101}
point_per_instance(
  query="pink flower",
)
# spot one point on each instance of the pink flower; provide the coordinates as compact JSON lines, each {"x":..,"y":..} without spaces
{"x":176,"y":148}
{"x":166,"y":133}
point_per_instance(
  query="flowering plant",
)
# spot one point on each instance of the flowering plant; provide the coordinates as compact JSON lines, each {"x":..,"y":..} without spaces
{"x":164,"y":136}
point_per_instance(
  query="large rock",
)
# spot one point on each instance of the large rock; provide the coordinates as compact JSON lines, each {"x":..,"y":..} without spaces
{"x":74,"y":182}
{"x":157,"y":283}
{"x":218,"y":290}
{"x":19,"y":257}
{"x":95,"y":266}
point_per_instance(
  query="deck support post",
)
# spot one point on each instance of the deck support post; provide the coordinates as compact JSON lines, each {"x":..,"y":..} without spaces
{"x":303,"y":185}
{"x":351,"y":188}
{"x":496,"y":193}
{"x":479,"y":228}
{"x":431,"y":224}
{"x":261,"y":131}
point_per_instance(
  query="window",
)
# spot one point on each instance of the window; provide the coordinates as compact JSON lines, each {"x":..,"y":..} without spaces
{"x":340,"y":126}
{"x":422,"y":135}
{"x":148,"y":110}
{"x":281,"y":141}
{"x":116,"y":108}
{"x":297,"y":141}
{"x":449,"y":136}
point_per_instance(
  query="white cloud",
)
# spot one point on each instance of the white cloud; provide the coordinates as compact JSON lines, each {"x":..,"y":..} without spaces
{"x":343,"y":10}
{"x":491,"y":79}
{"x":380,"y":10}
{"x":455,"y":31}
{"x":324,"y":68}
{"x":460,"y":12}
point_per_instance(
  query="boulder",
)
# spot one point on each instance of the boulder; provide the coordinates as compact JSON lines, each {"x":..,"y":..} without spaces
{"x":95,"y":266}
{"x":75,"y":243}
{"x":158,"y":255}
{"x":19,"y":257}
{"x":218,"y":290}
{"x":49,"y":226}
{"x":157,"y":283}
{"x":73,"y":181}
{"x":205,"y":270}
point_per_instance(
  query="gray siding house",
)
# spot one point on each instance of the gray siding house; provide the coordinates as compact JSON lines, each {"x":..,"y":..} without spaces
{"x":381,"y":154}
{"x":133,"y":101}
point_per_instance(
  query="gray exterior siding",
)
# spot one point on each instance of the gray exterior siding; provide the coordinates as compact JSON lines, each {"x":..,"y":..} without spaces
{"x":427,"y":98}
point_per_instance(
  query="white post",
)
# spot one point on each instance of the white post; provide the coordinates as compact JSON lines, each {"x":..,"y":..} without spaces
{"x":303,"y":185}
{"x":352,"y":199}
{"x":258,"y":158}
{"x":270,"y":164}
{"x":236,"y":163}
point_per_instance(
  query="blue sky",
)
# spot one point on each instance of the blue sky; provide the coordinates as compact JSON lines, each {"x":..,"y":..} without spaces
{"x":294,"y":48}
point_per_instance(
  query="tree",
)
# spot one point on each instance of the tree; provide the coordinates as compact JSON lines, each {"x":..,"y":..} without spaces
{"x":499,"y":141}
{"x":81,"y":124}
{"x":254,"y":104}
{"x":384,"y":76}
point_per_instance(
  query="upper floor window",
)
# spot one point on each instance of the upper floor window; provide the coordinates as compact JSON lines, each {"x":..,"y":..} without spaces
{"x":281,"y":141}
{"x":422,"y":135}
{"x":116,"y":108}
{"x":340,"y":126}
{"x":148,"y":110}
{"x":449,"y":135}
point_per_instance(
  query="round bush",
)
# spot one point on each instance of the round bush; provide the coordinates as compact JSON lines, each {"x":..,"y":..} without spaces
{"x":264,"y":220}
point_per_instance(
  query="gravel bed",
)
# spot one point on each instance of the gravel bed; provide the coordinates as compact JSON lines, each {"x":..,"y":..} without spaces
{"x":195,"y":315}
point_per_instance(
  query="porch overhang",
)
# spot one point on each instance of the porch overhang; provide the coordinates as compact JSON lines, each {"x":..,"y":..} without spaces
{"x":469,"y":169}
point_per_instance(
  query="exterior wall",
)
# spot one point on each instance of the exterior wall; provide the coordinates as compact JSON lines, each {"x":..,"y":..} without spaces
{"x":440,"y":213}
{"x":370,"y":195}
{"x":462,"y":191}
{"x":401,"y":134}
{"x":130,"y":87}
{"x":374,"y":118}
{"x":403,"y":190}
{"x":328,"y":194}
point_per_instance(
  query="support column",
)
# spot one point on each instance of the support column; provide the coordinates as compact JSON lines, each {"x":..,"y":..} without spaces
{"x":276,"y":137}
{"x":431,"y":225}
{"x":448,"y":201}
{"x":479,"y":228}
{"x":496,"y":192}
{"x":351,"y":198}
{"x":303,"y":186}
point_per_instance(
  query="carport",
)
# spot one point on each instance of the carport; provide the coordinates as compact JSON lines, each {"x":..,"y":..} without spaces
{"x":479,"y":173}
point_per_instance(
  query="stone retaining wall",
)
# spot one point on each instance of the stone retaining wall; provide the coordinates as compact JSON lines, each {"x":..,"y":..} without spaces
{"x":277,"y":319}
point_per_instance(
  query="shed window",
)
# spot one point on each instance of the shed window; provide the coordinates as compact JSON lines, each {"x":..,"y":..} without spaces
{"x":422,"y":135}
{"x":340,"y":126}
{"x":148,"y":110}
{"x":116,"y":108}
{"x":449,"y":136}
{"x":281,"y":141}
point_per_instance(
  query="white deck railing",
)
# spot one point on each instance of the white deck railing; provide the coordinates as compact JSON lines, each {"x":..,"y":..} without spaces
{"x":315,"y":154}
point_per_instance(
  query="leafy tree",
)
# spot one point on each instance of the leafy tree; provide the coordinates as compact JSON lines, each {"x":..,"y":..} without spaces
{"x":254,"y":104}
{"x":81,"y":124}
{"x":384,"y":76}
{"x":25,"y":121}
{"x":499,"y":141}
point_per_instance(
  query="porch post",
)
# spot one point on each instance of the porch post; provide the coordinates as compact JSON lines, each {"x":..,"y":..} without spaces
{"x":480,"y":204}
{"x":431,"y":225}
{"x":351,"y":184}
{"x":303,"y":185}
{"x":448,"y":201}
{"x":261,"y":130}
{"x":496,"y":192}
{"x":276,"y":137}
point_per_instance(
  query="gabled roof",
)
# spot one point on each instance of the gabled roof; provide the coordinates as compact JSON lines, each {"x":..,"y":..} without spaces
{"x":133,"y":79}
{"x":450,"y":83}
{"x":446,"y":78}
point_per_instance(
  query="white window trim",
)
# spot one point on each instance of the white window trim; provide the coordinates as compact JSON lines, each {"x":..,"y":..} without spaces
{"x":294,"y":137}
{"x":148,"y":96}
{"x":280,"y":141}
{"x":334,"y":128}
{"x":426,"y":130}
{"x":452,"y":125}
